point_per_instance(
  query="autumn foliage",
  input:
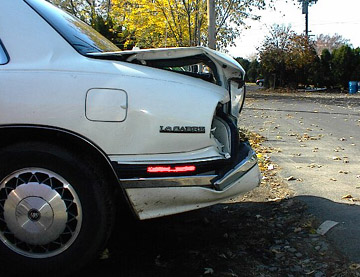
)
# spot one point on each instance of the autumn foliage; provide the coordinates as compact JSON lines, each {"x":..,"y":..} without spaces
{"x":164,"y":23}
{"x":288,"y":59}
{"x":161,"y":23}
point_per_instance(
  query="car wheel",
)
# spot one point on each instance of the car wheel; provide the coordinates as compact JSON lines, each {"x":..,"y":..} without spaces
{"x":260,"y":84}
{"x":55,"y":212}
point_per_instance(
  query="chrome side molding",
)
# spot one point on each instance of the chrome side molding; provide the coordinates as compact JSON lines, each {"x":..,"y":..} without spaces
{"x":183,"y":181}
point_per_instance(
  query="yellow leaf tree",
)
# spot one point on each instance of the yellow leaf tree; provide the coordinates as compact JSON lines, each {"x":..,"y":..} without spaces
{"x":164,"y":23}
{"x":161,"y":23}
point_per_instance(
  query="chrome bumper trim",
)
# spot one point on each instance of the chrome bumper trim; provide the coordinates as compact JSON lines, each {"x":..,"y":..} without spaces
{"x":239,"y":170}
{"x":183,"y":181}
{"x":196,"y":181}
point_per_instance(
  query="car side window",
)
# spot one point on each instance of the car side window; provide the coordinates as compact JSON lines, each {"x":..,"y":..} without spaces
{"x":4,"y":58}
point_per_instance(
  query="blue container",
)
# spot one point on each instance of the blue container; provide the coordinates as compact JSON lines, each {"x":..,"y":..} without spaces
{"x":353,"y":87}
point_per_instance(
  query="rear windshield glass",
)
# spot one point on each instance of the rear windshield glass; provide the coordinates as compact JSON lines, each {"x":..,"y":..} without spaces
{"x":3,"y":55}
{"x":80,"y":35}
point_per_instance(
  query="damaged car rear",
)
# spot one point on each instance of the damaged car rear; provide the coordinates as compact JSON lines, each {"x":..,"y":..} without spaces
{"x":85,"y":128}
{"x":200,"y":160}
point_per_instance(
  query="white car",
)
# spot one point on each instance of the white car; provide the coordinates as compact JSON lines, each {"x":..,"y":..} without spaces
{"x":85,"y":127}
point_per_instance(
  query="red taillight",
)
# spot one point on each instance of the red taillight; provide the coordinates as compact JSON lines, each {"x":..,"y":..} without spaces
{"x":169,"y":169}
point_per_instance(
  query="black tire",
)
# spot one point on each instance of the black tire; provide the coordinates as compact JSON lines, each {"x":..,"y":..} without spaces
{"x":35,"y":170}
{"x":260,"y":84}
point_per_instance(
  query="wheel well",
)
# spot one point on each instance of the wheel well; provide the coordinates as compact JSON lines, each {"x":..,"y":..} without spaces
{"x":66,"y":139}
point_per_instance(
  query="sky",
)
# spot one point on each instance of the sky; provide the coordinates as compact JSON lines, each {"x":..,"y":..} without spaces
{"x":325,"y":17}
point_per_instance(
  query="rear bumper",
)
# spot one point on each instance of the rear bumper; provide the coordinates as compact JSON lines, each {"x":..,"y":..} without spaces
{"x":156,"y":197}
{"x":240,"y":169}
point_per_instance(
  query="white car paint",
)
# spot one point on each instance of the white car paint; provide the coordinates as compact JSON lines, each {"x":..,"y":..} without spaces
{"x":117,"y":105}
{"x":52,"y":67}
{"x":108,"y":105}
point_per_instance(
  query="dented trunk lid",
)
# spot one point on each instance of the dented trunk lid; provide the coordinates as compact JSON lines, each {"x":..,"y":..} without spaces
{"x":229,"y":73}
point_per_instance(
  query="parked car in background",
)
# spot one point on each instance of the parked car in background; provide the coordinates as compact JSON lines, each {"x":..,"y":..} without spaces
{"x":85,"y":127}
{"x":260,"y":82}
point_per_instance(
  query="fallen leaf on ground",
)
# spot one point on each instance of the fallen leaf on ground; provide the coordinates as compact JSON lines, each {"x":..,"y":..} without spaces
{"x":354,"y":266}
{"x":208,"y":270}
{"x":158,"y":262}
{"x":333,"y":179}
{"x":336,"y":158}
{"x":344,"y":172}
{"x":277,"y":199}
{"x":347,"y":196}
{"x":105,"y":254}
{"x":297,"y":229}
{"x":291,"y":178}
{"x":314,"y":165}
{"x":326,"y":226}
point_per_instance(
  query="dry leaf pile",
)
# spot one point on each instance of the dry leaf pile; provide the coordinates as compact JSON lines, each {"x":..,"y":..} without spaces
{"x":272,"y":188}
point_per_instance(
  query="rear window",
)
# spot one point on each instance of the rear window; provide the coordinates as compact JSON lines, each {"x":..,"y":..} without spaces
{"x":80,"y":35}
{"x":4,"y":58}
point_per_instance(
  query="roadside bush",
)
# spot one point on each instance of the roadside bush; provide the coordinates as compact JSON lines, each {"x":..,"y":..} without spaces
{"x":290,"y":60}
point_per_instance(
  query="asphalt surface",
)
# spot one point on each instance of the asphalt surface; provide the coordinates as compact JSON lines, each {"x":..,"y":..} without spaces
{"x":317,"y":141}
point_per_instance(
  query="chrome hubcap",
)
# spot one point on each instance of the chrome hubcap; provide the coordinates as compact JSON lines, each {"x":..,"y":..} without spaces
{"x":40,"y":213}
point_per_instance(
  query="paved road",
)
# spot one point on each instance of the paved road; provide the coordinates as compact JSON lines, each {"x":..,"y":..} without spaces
{"x":316,"y":137}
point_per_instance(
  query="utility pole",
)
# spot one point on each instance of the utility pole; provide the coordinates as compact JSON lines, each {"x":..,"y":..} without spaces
{"x":305,"y":10}
{"x":211,"y":24}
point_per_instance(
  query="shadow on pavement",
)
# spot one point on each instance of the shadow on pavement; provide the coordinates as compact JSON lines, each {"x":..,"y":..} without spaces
{"x":239,"y":239}
{"x":345,"y":235}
